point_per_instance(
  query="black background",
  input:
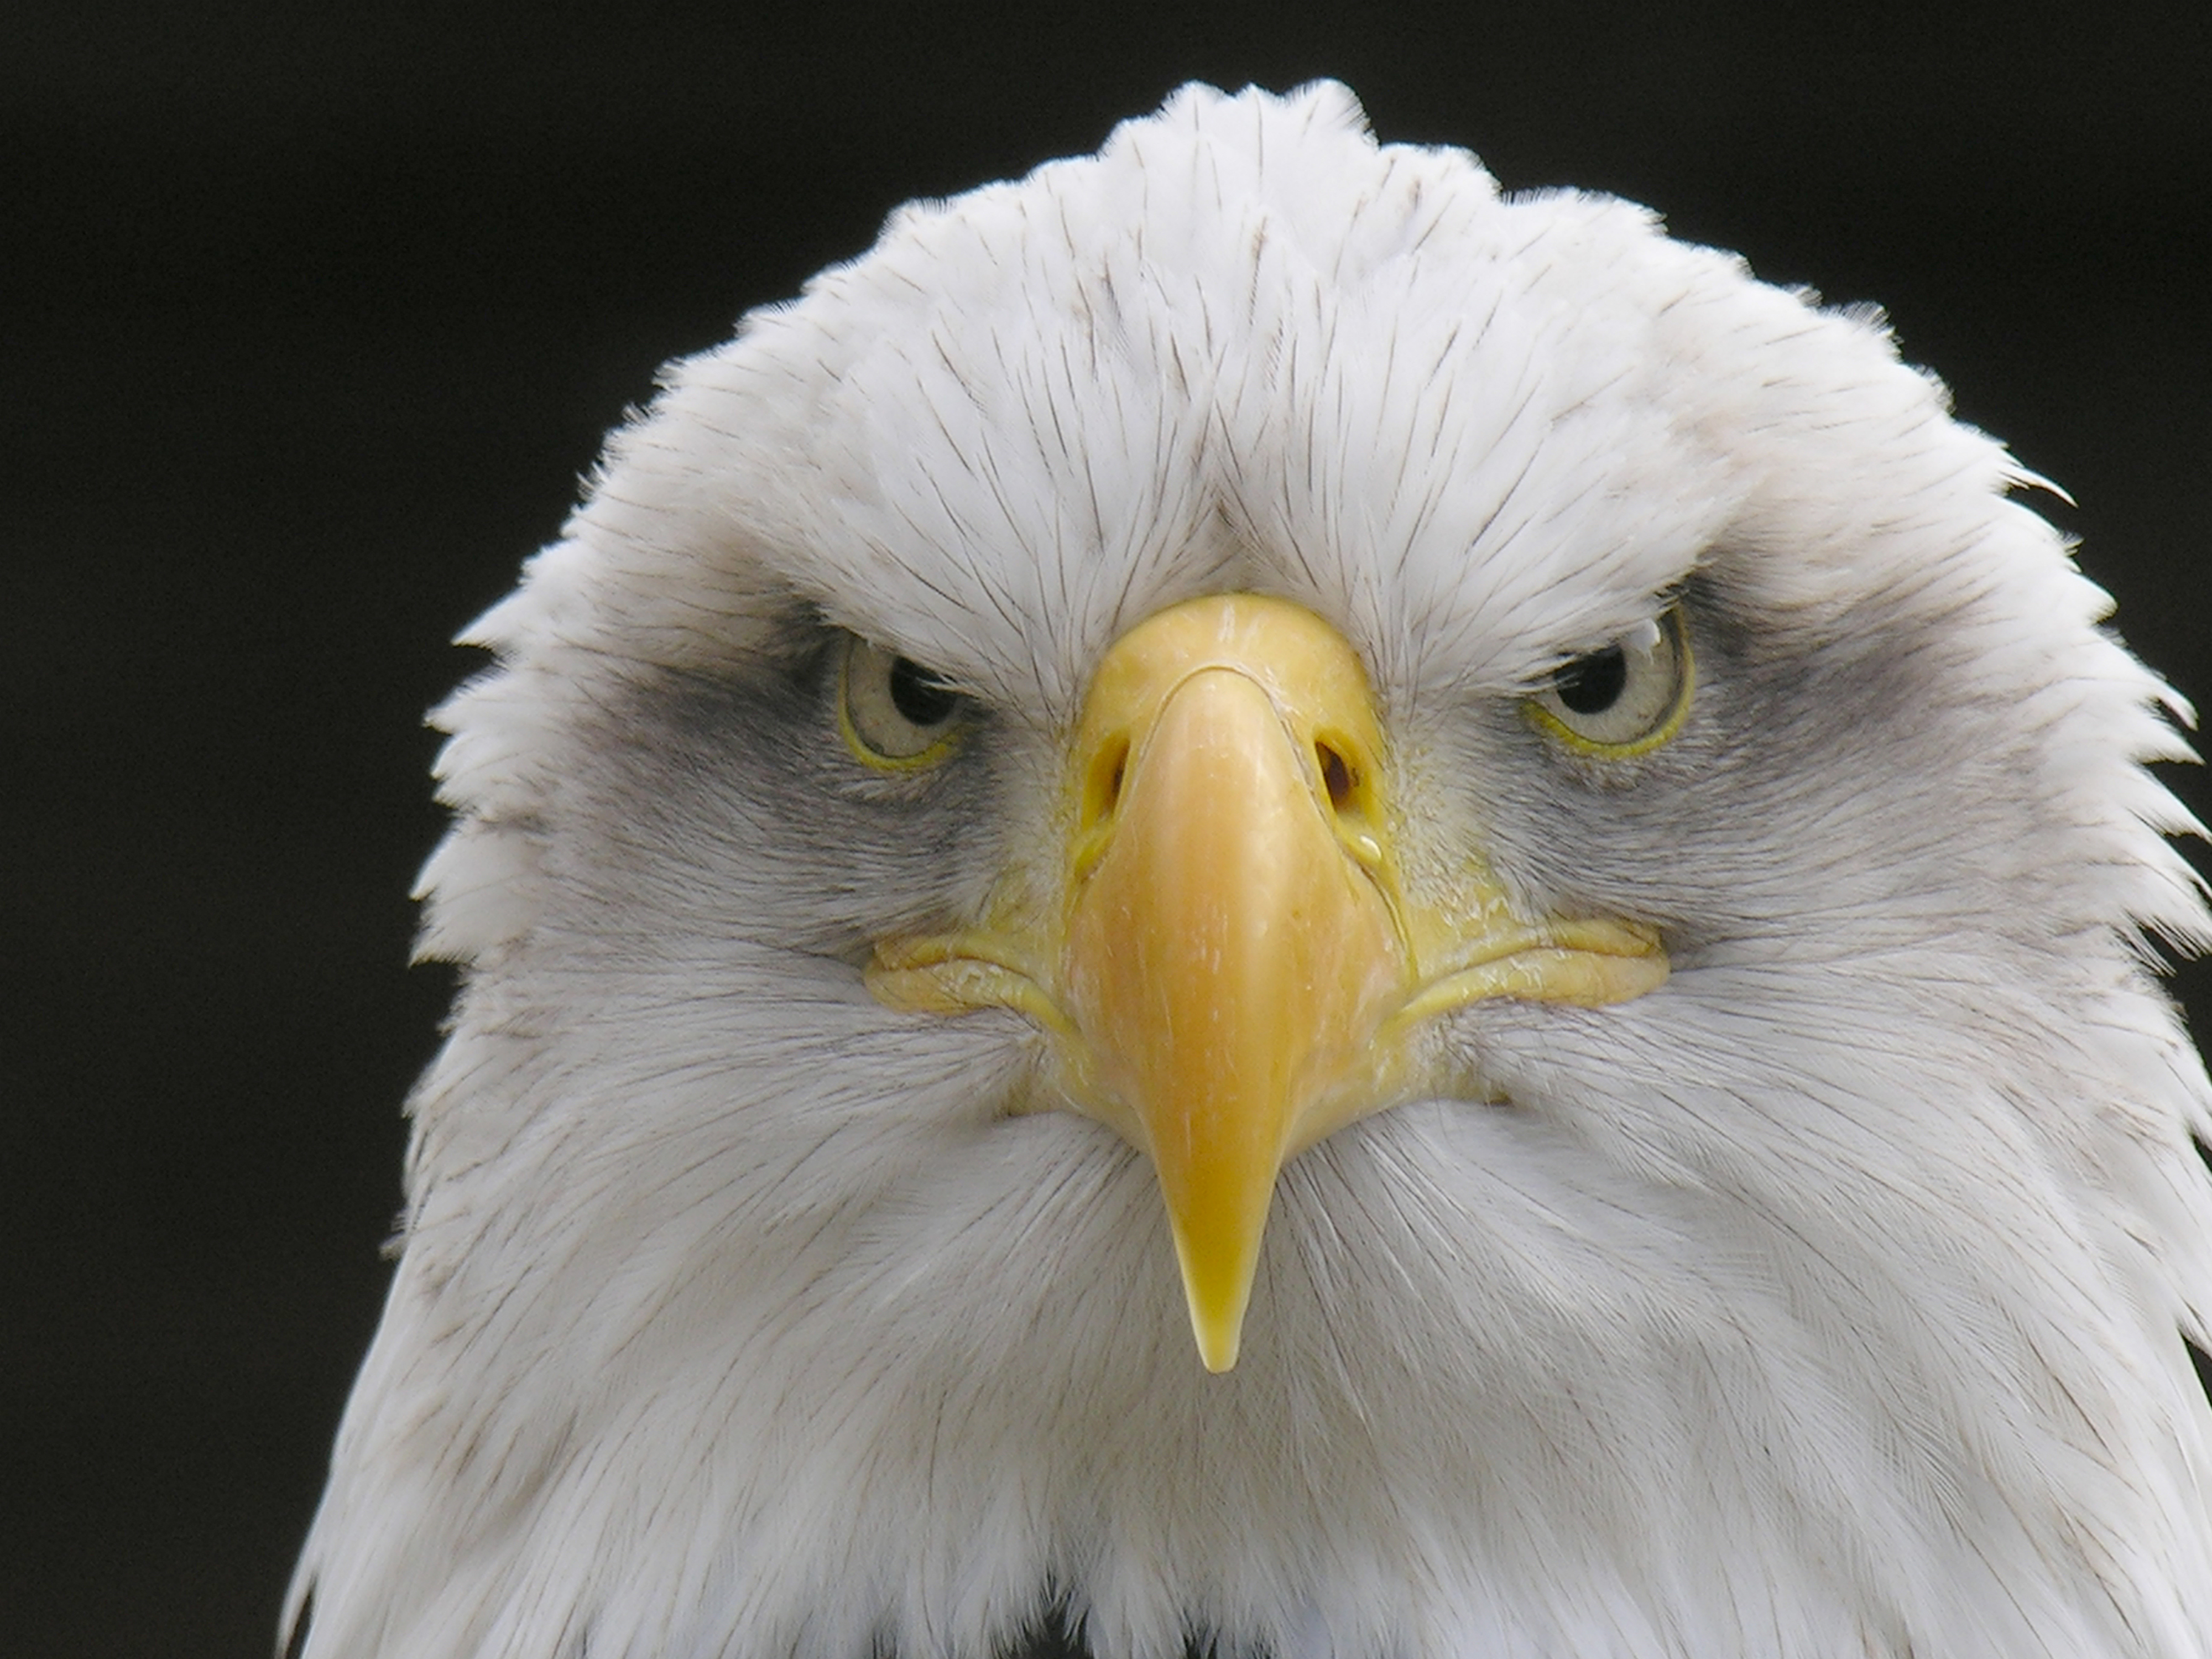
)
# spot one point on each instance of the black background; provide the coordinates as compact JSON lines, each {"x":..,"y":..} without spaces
{"x":309,"y":323}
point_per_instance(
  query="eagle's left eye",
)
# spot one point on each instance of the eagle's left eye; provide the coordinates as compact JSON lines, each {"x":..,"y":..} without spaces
{"x":895,"y":714}
{"x":1625,"y":699}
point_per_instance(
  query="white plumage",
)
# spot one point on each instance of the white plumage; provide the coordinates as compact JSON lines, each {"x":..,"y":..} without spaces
{"x":1827,"y":1300}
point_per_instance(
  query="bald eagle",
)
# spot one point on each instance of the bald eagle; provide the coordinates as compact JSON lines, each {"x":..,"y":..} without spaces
{"x":1249,"y":902}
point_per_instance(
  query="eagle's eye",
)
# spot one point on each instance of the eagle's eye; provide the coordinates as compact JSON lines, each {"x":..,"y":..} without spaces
{"x":1626,"y":699}
{"x":895,"y":713}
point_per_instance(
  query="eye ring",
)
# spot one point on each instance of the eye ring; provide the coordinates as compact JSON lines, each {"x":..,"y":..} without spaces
{"x":1626,"y":699}
{"x":895,"y":715}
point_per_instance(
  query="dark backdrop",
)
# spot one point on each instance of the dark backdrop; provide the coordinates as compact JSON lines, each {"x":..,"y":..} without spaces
{"x":306,"y":330}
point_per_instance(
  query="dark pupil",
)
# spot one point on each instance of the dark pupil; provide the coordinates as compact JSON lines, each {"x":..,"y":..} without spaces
{"x":920,"y":694}
{"x":1592,"y":684}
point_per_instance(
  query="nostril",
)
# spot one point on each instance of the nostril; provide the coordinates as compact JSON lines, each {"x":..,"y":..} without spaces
{"x":1337,"y":776}
{"x":1106,"y":773}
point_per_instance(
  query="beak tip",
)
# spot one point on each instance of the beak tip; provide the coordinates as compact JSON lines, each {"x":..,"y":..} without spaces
{"x":1216,"y":1321}
{"x":1217,"y":1347}
{"x":1217,"y":1287}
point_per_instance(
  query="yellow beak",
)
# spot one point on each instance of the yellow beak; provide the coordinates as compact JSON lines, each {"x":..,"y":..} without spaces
{"x":1236,"y":968}
{"x":1229,"y":952}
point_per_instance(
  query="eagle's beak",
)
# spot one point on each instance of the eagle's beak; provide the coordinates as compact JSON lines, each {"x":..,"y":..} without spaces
{"x":1238,"y":967}
{"x":1231,"y":943}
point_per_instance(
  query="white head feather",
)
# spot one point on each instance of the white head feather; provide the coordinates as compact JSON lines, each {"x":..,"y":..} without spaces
{"x":1827,"y":1302}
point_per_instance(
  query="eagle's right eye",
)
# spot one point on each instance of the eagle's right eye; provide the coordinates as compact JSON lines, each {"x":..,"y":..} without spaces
{"x":895,"y":715}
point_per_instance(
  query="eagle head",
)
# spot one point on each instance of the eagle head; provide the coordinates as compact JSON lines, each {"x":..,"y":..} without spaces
{"x":1248,"y":901}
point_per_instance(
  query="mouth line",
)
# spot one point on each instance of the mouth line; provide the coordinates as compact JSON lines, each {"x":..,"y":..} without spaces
{"x":962,"y":973}
{"x":1584,"y":962}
